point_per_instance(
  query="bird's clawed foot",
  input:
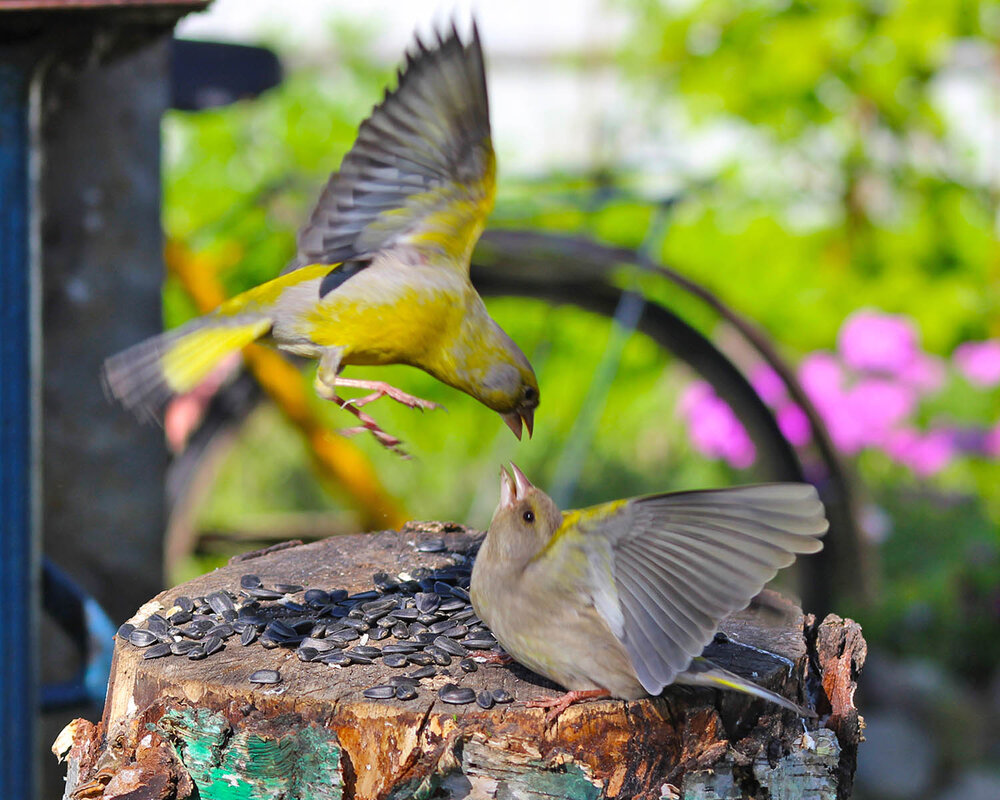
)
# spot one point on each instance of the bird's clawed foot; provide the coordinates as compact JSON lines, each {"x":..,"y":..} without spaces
{"x":557,"y":705}
{"x":495,"y":657}
{"x":380,"y":389}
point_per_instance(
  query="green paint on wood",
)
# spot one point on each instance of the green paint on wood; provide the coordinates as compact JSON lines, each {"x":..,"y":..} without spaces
{"x":303,"y":764}
{"x":566,"y":783}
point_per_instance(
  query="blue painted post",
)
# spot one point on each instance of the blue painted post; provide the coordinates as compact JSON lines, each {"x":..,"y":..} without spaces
{"x":18,"y":423}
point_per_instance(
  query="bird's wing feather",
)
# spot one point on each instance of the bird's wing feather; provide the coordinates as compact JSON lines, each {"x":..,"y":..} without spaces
{"x":683,"y":562}
{"x":422,"y":171}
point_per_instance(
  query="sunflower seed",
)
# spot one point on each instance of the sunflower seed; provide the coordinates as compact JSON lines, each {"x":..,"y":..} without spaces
{"x":441,"y":627}
{"x":450,"y":646}
{"x":360,"y":597}
{"x":478,"y":642}
{"x":405,"y":614}
{"x":453,"y":604}
{"x":423,"y":672}
{"x":456,"y":695}
{"x":430,"y":546}
{"x":400,"y":630}
{"x":357,"y":658}
{"x":220,"y":602}
{"x":416,"y":628}
{"x":401,"y":647}
{"x":405,"y":692}
{"x":183,"y":647}
{"x":287,"y":588}
{"x":264,"y":594}
{"x":265,"y":676}
{"x":336,"y":658}
{"x":378,"y":633}
{"x":157,"y":625}
{"x":142,"y":638}
{"x":420,"y":659}
{"x":316,"y":597}
{"x":212,"y":644}
{"x":468,"y":665}
{"x":249,"y":635}
{"x":380,"y":692}
{"x":196,"y":653}
{"x":441,"y":657}
{"x":394,"y":660}
{"x":456,"y":631}
{"x":181,"y":618}
{"x":184,"y":603}
{"x":157,"y":650}
{"x":307,"y":654}
{"x":484,"y":699}
{"x":502,"y":696}
{"x":364,"y":650}
{"x":223,"y":630}
{"x":356,"y":624}
{"x":125,"y":630}
{"x":461,"y":592}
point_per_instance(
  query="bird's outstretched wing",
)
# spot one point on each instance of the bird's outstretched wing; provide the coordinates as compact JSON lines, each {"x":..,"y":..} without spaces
{"x":422,"y":171}
{"x":683,"y":562}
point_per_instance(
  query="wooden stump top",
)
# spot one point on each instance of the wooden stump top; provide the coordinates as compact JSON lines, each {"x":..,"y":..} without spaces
{"x":322,"y":738}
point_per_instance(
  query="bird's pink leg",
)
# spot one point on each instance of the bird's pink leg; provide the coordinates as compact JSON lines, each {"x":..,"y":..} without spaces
{"x":559,"y":704}
{"x":496,"y":657}
{"x":381,"y":389}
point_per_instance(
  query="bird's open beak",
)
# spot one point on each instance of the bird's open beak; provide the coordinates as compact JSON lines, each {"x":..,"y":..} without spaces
{"x":514,"y":420}
{"x":513,"y":486}
{"x":508,"y":494}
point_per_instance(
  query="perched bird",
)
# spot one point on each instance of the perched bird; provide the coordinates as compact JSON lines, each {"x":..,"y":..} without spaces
{"x":620,"y":599}
{"x":381,"y":275}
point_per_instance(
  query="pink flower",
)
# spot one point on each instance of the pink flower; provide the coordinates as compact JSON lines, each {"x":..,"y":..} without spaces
{"x":924,"y":453}
{"x":768,"y":384}
{"x":878,"y":405}
{"x":991,"y":446}
{"x":873,"y":340}
{"x":821,"y":376}
{"x":794,"y":424}
{"x":979,"y":362}
{"x":925,"y":373}
{"x":714,"y":429}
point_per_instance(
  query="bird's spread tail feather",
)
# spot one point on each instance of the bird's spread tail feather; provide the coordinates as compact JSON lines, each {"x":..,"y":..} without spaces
{"x":144,"y":377}
{"x":703,"y":672}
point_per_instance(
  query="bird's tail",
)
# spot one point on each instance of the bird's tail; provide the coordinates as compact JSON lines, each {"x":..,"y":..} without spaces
{"x":145,"y":376}
{"x":703,"y":672}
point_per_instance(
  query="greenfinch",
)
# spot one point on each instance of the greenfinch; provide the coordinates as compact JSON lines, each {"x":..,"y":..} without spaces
{"x":620,"y":599}
{"x":381,"y":273}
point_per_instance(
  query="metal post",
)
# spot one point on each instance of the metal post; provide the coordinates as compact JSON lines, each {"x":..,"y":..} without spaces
{"x":18,"y":438}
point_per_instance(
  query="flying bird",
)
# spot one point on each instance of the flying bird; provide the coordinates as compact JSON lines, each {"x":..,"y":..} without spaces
{"x":619,"y":600}
{"x":381,"y":273}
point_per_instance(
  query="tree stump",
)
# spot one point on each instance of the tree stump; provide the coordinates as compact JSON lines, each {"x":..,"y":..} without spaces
{"x":176,"y":728}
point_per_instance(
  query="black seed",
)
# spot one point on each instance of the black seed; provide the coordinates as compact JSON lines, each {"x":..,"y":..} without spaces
{"x":276,"y":629}
{"x":307,"y":653}
{"x":250,"y":581}
{"x":249,"y":635}
{"x":265,"y":676}
{"x":357,"y":658}
{"x":405,"y":692}
{"x":461,"y":592}
{"x":316,"y":597}
{"x":378,"y":633}
{"x":387,"y":621}
{"x":269,"y":644}
{"x":479,"y":642}
{"x":468,"y":665}
{"x":484,"y":699}
{"x":319,"y":645}
{"x":424,"y":672}
{"x":425,"y":638}
{"x":212,"y":644}
{"x":404,"y":680}
{"x":265,"y":594}
{"x":157,"y":650}
{"x":225,"y":630}
{"x":441,"y":626}
{"x":426,"y":602}
{"x":430,"y":546}
{"x":384,"y":603}
{"x":420,"y":659}
{"x":365,"y":650}
{"x":456,"y":695}
{"x":400,"y":630}
{"x":442,"y":588}
{"x":428,"y":619}
{"x":463,"y":615}
{"x":318,"y":630}
{"x":220,"y":602}
{"x":394,"y":660}
{"x":183,"y":647}
{"x":405,"y":614}
{"x":142,"y":638}
{"x":452,"y":604}
{"x":125,"y":630}
{"x":417,"y":628}
{"x":402,"y":647}
{"x":336,"y":658}
{"x":157,"y":624}
{"x":180,"y":618}
{"x":196,"y":653}
{"x":356,"y":624}
{"x":456,"y":631}
{"x":450,"y":646}
{"x":440,"y":656}
{"x":380,"y":692}
{"x":287,"y":588}
{"x":292,"y":606}
{"x":361,"y":597}
{"x":374,"y":617}
{"x":184,"y":603}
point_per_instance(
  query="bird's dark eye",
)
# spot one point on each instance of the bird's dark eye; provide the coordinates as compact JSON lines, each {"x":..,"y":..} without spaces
{"x":530,"y":394}
{"x":528,"y":516}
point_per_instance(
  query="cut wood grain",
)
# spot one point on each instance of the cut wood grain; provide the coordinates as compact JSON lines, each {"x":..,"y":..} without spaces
{"x":174,"y":728}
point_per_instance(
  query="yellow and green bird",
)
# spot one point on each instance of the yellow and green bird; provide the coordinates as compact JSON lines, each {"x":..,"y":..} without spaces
{"x":620,"y":599}
{"x":381,"y":274}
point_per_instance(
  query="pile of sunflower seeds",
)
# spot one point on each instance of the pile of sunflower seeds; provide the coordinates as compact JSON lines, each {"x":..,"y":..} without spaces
{"x":422,"y":619}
